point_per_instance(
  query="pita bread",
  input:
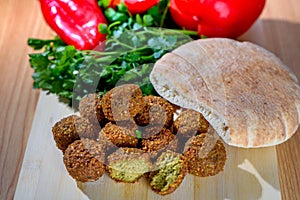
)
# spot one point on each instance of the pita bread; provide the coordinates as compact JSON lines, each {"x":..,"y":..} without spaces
{"x":245,"y":92}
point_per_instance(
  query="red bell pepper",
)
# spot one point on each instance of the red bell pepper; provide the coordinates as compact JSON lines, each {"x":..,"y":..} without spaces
{"x":217,"y":18}
{"x":75,"y":21}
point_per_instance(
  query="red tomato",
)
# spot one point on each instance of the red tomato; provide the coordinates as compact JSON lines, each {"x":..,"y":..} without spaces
{"x":217,"y":18}
{"x":184,"y":20}
{"x":135,"y":6}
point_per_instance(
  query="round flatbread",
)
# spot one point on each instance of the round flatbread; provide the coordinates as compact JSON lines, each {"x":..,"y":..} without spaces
{"x":244,"y":91}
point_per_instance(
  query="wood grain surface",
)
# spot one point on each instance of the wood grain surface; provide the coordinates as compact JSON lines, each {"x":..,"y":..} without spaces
{"x":277,"y":30}
{"x":248,"y":173}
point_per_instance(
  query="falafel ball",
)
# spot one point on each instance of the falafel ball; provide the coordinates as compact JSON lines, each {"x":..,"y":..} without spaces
{"x":150,"y":130}
{"x":169,"y":172}
{"x":160,"y":140}
{"x":122,"y":103}
{"x":189,"y":123}
{"x":118,"y":136}
{"x":130,"y":125}
{"x":205,"y":155}
{"x":69,"y":129}
{"x":156,"y":110}
{"x":90,"y":107}
{"x":128,"y":165}
{"x":84,"y":160}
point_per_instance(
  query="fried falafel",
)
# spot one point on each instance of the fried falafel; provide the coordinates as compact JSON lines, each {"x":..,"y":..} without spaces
{"x":205,"y":155}
{"x":122,"y":103}
{"x":69,"y":129}
{"x":156,"y":110}
{"x":159,"y":141}
{"x":189,"y":123}
{"x":169,"y":172}
{"x":129,"y":122}
{"x":84,"y":160}
{"x":149,"y":130}
{"x":130,"y":125}
{"x":90,"y":107}
{"x":128,"y":164}
{"x":118,"y":136}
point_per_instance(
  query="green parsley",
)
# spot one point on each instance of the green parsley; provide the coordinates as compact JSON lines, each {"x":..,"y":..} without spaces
{"x":133,"y":45}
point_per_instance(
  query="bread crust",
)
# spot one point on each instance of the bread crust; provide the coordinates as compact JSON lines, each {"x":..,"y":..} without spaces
{"x":244,"y":91}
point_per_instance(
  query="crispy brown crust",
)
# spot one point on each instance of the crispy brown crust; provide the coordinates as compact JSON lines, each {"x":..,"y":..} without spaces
{"x":69,"y":129}
{"x":130,"y":125}
{"x":122,"y":103}
{"x":84,"y":128}
{"x":156,"y":111}
{"x":189,"y":123}
{"x":108,"y":145}
{"x":118,"y":136}
{"x":157,"y":141}
{"x":128,"y":154}
{"x":205,"y":155}
{"x":149,"y":131}
{"x":84,"y":160}
{"x":177,"y":182}
{"x":90,"y":107}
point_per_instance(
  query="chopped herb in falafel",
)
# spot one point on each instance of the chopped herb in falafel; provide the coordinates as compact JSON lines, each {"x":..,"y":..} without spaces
{"x":128,"y":164}
{"x":169,"y":171}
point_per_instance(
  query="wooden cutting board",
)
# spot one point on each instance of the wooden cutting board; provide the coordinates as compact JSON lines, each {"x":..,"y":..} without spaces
{"x":248,"y":173}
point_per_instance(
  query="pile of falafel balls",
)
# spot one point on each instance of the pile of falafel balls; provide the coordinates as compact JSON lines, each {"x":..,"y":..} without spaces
{"x":130,"y":136}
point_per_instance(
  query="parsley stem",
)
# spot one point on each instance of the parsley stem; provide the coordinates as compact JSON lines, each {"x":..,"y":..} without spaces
{"x":162,"y":31}
{"x":188,"y":32}
{"x":104,"y":59}
{"x":120,"y":43}
{"x":100,"y":53}
{"x":164,"y":15}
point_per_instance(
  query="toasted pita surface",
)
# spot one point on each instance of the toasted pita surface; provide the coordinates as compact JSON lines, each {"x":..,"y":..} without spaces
{"x":245,"y":92}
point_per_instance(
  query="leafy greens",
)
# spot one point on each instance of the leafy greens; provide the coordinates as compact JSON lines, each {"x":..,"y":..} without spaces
{"x":131,"y":49}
